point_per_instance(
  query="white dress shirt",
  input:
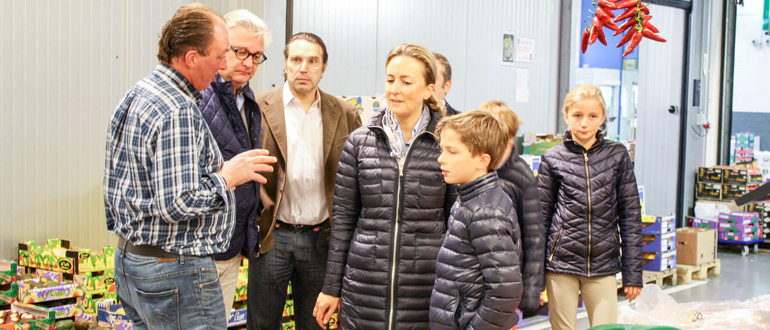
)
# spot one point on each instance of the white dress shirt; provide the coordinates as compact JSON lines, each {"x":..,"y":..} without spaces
{"x":304,"y":197}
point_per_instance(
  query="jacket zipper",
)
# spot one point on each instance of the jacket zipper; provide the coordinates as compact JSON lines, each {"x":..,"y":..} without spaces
{"x":393,"y":267}
{"x":588,"y":181}
{"x":555,"y":244}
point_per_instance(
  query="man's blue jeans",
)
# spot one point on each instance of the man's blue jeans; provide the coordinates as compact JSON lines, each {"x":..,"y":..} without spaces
{"x":180,"y":294}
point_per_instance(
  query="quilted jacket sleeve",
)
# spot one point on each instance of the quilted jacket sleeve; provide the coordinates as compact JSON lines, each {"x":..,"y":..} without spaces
{"x":346,"y":209}
{"x":530,"y":215}
{"x":491,"y":232}
{"x":547,"y":187}
{"x":630,"y":221}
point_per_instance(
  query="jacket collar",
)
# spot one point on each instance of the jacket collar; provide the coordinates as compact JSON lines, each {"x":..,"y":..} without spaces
{"x":478,"y":186}
{"x":576,"y":147}
{"x":223,"y":87}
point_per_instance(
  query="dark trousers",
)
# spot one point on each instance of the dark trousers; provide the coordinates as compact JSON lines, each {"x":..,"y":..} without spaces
{"x":299,"y":257}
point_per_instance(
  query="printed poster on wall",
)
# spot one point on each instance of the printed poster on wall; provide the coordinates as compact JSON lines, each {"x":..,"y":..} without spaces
{"x":507,"y":50}
{"x":525,"y":50}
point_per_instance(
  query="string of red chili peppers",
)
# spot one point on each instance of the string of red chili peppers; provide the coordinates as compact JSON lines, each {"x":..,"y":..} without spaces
{"x":638,"y":16}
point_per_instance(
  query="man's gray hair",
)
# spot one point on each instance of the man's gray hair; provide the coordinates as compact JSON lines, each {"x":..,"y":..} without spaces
{"x":250,"y":21}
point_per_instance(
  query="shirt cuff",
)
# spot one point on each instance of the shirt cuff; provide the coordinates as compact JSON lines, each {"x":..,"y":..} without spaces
{"x":228,"y":196}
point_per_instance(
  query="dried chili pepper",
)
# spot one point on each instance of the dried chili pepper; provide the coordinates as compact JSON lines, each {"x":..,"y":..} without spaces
{"x":627,"y":4}
{"x":650,"y":35}
{"x":607,"y":4}
{"x":627,"y":37}
{"x":625,"y":26}
{"x":584,"y":42}
{"x":634,"y":42}
{"x":630,"y":12}
{"x":605,"y":19}
{"x":602,"y":38}
{"x":648,"y":25}
{"x":593,"y":34}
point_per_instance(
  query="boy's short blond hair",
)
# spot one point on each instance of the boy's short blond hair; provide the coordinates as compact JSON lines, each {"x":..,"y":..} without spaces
{"x":481,"y":132}
{"x":505,"y":114}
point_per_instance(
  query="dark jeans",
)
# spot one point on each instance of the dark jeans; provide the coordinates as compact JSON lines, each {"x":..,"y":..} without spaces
{"x":296,"y":257}
{"x":181,"y":294}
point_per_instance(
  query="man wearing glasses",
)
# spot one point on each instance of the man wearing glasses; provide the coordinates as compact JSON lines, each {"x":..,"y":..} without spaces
{"x":234,"y":119}
{"x":305,"y":129}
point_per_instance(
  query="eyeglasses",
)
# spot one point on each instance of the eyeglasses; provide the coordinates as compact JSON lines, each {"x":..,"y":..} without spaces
{"x":242,"y":54}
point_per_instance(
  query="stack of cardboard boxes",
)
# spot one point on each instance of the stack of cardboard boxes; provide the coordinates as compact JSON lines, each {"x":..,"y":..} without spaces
{"x":742,"y":148}
{"x":763,"y":209}
{"x":659,"y":242}
{"x":740,"y":227}
{"x":726,"y":183}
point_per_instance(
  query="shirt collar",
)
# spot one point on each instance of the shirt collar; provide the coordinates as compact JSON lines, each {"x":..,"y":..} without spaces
{"x":288,"y":96}
{"x":177,"y":78}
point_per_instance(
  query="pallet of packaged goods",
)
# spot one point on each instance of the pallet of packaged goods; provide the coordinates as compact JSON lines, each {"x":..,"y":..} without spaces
{"x":59,"y":255}
{"x":687,"y":273}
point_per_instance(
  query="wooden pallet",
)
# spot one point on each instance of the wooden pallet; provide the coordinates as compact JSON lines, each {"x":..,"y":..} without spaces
{"x":687,"y":273}
{"x":660,"y":278}
{"x":668,"y":277}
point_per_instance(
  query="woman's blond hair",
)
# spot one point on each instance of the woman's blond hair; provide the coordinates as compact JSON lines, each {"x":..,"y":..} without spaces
{"x":584,"y":92}
{"x":425,"y":57}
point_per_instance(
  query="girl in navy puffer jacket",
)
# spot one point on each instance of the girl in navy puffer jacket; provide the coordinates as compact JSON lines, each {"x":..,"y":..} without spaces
{"x":591,"y":212}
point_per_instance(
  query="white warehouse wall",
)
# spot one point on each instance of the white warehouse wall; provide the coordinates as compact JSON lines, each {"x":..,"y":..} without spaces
{"x":359,"y":34}
{"x":64,"y":66}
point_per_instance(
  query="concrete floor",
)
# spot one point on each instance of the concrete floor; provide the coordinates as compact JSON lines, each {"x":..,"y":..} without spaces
{"x":741,"y":278}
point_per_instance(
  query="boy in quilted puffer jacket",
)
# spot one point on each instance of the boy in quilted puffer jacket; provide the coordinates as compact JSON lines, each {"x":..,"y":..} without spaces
{"x":478,"y":279}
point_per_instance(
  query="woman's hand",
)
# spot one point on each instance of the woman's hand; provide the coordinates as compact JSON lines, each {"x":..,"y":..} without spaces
{"x":542,"y":298}
{"x":632,"y":292}
{"x":325,"y":306}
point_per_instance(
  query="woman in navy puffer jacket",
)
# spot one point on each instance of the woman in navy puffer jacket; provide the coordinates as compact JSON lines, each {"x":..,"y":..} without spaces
{"x":391,"y":205}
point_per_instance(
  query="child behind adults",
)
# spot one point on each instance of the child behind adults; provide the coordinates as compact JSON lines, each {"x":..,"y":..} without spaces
{"x":520,"y":184}
{"x":589,"y":197}
{"x":478,"y":280}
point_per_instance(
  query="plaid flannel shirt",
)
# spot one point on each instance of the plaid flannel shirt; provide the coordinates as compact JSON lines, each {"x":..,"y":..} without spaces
{"x":160,"y":188}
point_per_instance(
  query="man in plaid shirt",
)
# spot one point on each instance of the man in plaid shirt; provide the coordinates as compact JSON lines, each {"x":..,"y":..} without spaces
{"x":168,"y":192}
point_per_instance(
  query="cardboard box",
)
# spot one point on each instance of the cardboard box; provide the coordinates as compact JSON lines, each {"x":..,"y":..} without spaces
{"x":742,"y":228}
{"x":739,"y":218}
{"x":60,"y":256}
{"x":237,"y":316}
{"x":735,"y":191}
{"x":44,"y":318}
{"x":111,"y":314}
{"x":708,"y":190}
{"x":704,"y":223}
{"x":96,"y":282}
{"x":659,"y":243}
{"x":537,"y":144}
{"x":657,"y":225}
{"x":8,"y":270}
{"x":744,"y":176}
{"x":8,"y":296}
{"x":696,"y":246}
{"x":710,"y":175}
{"x":659,"y":262}
{"x":737,"y":236}
{"x":31,"y":291}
